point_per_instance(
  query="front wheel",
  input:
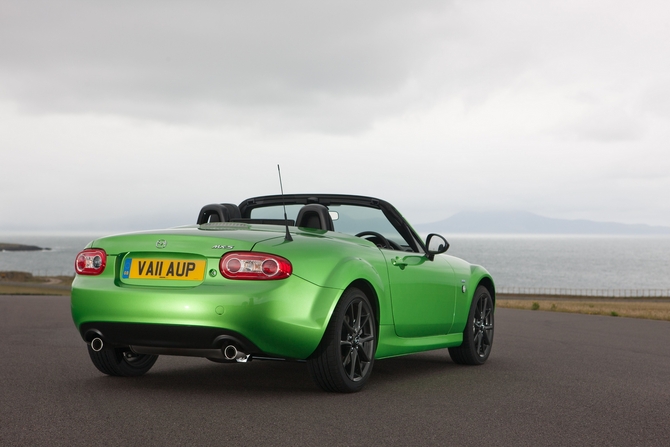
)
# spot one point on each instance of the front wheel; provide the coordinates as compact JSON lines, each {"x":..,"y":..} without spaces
{"x":343,"y":361}
{"x":478,"y":333}
{"x":121,"y":362}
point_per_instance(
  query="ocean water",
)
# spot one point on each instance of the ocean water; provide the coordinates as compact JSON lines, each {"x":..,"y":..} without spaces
{"x":528,"y":261}
{"x":569,"y":261}
{"x":55,"y":262}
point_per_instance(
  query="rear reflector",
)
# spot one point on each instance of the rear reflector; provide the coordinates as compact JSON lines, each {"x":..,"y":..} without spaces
{"x":91,"y":261}
{"x":254,"y":266}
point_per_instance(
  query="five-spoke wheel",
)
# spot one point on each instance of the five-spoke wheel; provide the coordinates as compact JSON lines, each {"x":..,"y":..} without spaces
{"x":478,"y":333}
{"x":343,"y":361}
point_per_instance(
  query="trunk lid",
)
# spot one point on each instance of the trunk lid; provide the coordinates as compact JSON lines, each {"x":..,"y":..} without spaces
{"x":182,"y":257}
{"x":206,"y":240}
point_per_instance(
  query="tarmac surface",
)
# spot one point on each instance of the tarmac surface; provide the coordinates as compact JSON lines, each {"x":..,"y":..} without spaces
{"x":552,"y":379}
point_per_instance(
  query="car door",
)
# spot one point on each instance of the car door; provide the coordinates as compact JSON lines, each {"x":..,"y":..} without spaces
{"x":423,"y":294}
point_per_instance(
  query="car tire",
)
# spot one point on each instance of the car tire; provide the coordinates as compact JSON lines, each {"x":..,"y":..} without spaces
{"x":121,"y":362}
{"x":478,"y":332}
{"x":343,"y":360}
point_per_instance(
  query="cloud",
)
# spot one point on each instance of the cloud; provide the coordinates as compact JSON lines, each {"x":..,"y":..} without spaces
{"x":222,"y":62}
{"x":606,"y":124}
{"x":149,"y":110}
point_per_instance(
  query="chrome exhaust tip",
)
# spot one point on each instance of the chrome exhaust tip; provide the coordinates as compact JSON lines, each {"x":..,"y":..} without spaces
{"x":97,"y":344}
{"x":230,"y":352}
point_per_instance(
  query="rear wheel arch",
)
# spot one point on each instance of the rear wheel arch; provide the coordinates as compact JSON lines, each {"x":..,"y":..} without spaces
{"x":344,"y":358}
{"x":369,"y":291}
{"x":370,"y":278}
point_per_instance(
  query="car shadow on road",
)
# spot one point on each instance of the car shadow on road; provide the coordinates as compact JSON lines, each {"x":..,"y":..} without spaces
{"x":188,"y":375}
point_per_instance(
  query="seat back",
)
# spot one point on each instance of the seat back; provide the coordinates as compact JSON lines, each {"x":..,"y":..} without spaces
{"x":315,"y":216}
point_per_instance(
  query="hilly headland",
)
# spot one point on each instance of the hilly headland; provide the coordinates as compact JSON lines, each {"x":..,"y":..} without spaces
{"x":523,"y":222}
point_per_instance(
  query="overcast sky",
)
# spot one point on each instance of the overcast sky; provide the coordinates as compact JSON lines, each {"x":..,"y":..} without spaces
{"x":125,"y":114}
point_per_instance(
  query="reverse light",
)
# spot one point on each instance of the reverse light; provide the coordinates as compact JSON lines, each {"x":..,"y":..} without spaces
{"x":248,"y":265}
{"x":91,"y":261}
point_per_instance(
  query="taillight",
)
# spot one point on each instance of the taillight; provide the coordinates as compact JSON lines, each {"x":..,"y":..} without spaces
{"x":248,"y":265}
{"x":91,"y":261}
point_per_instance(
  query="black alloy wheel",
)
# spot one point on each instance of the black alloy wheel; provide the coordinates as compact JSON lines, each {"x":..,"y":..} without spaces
{"x":478,"y":333}
{"x":344,"y":359}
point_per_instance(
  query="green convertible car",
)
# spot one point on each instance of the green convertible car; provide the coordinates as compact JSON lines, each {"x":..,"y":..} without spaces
{"x":334,"y":280}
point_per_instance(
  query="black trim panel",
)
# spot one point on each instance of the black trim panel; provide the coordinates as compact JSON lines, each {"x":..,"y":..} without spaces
{"x":166,"y":336}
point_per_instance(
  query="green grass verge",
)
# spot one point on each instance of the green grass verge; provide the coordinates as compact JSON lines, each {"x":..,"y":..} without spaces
{"x":652,"y":310}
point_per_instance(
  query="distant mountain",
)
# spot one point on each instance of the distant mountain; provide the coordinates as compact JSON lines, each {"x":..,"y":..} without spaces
{"x":522,"y":222}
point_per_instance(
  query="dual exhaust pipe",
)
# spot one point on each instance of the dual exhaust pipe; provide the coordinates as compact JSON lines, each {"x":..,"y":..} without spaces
{"x":230,"y":352}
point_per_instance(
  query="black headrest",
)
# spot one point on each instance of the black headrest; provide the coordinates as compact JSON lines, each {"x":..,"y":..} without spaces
{"x":233,"y":211}
{"x":218,"y":212}
{"x":315,"y":216}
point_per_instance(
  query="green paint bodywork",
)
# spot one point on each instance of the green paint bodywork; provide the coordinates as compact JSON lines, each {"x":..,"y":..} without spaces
{"x":420,"y":303}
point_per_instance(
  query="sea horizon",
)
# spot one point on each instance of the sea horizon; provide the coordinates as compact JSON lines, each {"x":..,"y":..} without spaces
{"x":514,"y":260}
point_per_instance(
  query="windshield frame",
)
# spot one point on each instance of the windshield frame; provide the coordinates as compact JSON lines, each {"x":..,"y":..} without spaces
{"x":390,"y":212}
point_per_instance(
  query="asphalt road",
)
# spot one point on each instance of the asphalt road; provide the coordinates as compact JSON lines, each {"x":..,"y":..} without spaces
{"x":552,"y":379}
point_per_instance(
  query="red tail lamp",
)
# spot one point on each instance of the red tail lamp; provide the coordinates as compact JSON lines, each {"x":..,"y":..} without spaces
{"x":254,"y":266}
{"x":91,"y":261}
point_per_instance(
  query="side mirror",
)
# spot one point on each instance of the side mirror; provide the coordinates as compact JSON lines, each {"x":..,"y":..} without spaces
{"x":436,"y":244}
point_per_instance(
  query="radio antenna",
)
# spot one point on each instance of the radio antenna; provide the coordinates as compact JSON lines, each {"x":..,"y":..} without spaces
{"x":288,"y":237}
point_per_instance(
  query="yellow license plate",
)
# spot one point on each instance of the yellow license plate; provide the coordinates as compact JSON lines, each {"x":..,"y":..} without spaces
{"x":185,"y":270}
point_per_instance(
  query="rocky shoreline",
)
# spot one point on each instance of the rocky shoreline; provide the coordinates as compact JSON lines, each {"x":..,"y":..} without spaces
{"x":20,"y":247}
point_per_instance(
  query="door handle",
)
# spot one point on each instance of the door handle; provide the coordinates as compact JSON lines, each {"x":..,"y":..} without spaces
{"x":407,"y":260}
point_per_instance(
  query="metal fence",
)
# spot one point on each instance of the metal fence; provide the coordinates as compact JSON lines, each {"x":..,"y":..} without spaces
{"x":604,"y":293}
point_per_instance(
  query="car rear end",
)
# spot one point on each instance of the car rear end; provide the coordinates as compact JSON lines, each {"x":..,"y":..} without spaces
{"x":199,"y":291}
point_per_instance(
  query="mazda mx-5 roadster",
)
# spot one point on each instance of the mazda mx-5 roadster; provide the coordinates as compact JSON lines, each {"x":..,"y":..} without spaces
{"x":336,"y":281}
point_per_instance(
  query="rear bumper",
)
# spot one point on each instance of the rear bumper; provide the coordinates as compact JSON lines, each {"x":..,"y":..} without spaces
{"x":284,"y":318}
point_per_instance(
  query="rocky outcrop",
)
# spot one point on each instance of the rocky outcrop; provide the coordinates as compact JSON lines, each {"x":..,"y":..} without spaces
{"x":20,"y":247}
